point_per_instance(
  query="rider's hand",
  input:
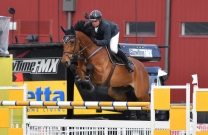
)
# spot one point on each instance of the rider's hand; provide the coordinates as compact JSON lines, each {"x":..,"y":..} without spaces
{"x":94,"y":40}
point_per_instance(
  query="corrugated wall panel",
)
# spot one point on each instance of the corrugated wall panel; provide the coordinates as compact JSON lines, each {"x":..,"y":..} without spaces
{"x":188,"y":54}
{"x":37,"y":11}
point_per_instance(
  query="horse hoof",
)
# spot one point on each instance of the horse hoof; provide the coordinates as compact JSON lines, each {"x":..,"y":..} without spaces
{"x":90,"y":88}
{"x":83,"y":87}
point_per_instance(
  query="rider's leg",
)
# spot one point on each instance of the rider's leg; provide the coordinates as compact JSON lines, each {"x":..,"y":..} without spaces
{"x":114,"y":48}
{"x":130,"y":65}
{"x":114,"y":43}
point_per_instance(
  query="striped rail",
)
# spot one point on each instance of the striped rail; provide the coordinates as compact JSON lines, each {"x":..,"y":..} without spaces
{"x":80,"y":105}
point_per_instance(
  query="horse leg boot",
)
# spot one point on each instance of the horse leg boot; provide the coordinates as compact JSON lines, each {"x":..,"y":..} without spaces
{"x":129,"y":64}
{"x":88,"y":84}
{"x":77,"y":78}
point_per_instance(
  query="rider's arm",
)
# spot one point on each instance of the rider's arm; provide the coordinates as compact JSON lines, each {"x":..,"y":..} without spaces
{"x":106,"y":36}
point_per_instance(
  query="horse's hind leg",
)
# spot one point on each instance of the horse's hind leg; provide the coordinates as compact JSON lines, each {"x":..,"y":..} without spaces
{"x":119,"y":93}
{"x":142,"y":92}
{"x":124,"y":94}
{"x":131,"y":95}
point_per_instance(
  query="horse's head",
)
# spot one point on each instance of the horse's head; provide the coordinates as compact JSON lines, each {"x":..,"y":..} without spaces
{"x":69,"y":46}
{"x":71,"y":42}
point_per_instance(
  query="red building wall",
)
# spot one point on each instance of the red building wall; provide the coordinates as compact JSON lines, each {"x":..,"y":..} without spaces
{"x":40,"y":17}
{"x":187,"y":54}
{"x":121,"y":11}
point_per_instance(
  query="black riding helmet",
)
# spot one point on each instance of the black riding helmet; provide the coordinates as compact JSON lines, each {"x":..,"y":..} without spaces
{"x":95,"y":15}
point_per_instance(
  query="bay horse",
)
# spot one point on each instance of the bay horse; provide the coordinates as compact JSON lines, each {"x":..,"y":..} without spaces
{"x":95,"y":66}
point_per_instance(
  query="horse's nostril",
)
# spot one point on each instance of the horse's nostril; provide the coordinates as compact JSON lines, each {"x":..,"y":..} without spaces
{"x":67,"y":64}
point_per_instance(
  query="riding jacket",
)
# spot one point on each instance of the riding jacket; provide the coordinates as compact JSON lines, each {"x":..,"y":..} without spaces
{"x":106,"y":30}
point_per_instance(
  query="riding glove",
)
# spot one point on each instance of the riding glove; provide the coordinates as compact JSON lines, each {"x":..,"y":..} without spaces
{"x":94,"y":40}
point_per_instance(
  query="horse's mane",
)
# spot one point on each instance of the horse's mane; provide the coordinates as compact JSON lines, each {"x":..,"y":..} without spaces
{"x":88,"y":30}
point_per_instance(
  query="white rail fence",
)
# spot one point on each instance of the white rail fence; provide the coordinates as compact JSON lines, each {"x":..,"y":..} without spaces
{"x":107,"y":127}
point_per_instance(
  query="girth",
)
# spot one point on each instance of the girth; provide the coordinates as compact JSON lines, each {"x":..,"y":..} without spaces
{"x":106,"y":84}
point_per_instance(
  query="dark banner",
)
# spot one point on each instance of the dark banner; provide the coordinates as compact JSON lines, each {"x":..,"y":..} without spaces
{"x":38,"y":64}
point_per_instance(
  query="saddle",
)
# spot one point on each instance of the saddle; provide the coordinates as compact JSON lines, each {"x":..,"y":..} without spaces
{"x":113,"y":57}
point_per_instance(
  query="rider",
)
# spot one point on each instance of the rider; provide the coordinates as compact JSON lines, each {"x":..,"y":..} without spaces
{"x":107,"y":33}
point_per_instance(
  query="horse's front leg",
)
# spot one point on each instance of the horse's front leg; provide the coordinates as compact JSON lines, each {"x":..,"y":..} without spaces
{"x":89,"y":68}
{"x":88,"y":84}
{"x":78,"y":80}
{"x":82,"y":79}
{"x":73,"y":69}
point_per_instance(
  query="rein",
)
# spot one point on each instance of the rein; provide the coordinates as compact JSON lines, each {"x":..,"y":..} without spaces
{"x":68,"y":38}
{"x":85,"y":59}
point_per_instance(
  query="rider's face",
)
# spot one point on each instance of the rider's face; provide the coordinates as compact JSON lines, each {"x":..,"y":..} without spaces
{"x":96,"y":23}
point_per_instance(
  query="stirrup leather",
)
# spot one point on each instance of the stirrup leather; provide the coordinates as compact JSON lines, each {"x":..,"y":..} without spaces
{"x":130,"y":66}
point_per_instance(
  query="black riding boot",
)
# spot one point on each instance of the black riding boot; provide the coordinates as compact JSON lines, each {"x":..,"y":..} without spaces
{"x":129,"y":64}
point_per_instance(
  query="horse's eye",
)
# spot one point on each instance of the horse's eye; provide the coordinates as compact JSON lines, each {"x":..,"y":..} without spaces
{"x":73,"y":42}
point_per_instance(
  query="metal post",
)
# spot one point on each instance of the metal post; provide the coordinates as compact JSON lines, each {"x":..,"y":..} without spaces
{"x":13,"y":29}
{"x":187,"y":109}
{"x":136,"y":18}
{"x":69,"y":18}
{"x":167,"y":37}
{"x":194,"y":113}
{"x":152,"y":110}
{"x":25,"y":117}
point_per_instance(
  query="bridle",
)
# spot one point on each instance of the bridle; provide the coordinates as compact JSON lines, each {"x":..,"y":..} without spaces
{"x":68,"y":38}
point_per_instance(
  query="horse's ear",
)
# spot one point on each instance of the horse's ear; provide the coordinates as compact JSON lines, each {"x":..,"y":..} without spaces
{"x":72,"y":30}
{"x":63,"y":29}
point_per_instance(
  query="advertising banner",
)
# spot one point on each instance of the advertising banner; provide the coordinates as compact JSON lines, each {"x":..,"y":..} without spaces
{"x":41,"y":69}
{"x":45,"y":91}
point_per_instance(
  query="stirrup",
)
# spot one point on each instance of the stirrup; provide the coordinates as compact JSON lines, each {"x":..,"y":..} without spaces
{"x":130,"y":66}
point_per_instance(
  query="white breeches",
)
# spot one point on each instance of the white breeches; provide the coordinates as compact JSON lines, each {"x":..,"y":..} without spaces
{"x":114,"y":43}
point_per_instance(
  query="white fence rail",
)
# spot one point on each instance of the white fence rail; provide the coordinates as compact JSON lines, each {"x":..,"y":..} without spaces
{"x":107,"y":127}
{"x":94,"y":127}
